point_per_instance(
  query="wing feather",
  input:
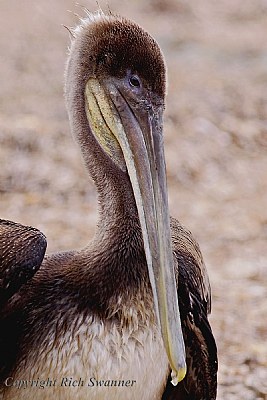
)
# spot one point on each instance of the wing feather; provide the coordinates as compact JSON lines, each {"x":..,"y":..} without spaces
{"x":22,"y":249}
{"x":194,"y":297}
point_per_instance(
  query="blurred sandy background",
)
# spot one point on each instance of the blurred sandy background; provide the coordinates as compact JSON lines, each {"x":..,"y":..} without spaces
{"x":216,"y":143}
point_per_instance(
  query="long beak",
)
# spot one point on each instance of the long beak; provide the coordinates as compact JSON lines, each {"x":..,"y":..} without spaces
{"x":141,"y":143}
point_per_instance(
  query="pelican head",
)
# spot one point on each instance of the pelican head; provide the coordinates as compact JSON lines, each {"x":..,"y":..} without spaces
{"x":115,"y":91}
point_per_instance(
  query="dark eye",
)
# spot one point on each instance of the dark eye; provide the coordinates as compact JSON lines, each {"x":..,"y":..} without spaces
{"x":134,"y":81}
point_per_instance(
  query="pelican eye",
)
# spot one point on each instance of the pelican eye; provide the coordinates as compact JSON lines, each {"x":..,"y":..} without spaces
{"x":134,"y":81}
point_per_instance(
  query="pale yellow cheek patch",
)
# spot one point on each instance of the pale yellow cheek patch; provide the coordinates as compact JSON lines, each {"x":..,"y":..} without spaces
{"x":102,"y":118}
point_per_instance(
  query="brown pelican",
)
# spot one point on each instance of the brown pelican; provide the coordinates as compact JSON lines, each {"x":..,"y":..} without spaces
{"x":104,"y":322}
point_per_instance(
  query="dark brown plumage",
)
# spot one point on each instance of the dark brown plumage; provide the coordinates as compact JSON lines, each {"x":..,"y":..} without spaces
{"x":22,"y":250}
{"x":194,"y":303}
{"x":90,"y":313}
